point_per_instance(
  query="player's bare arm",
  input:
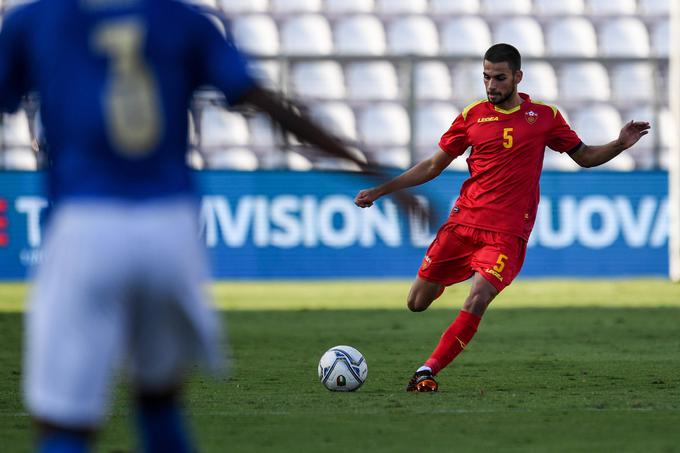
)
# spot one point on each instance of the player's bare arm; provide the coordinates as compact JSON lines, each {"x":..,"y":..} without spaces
{"x":421,"y":173}
{"x":592,"y":156}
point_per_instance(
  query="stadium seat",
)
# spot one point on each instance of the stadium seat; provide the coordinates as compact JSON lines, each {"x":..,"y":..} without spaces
{"x":204,"y":3}
{"x":307,"y":34}
{"x":267,"y":72}
{"x":22,"y":159}
{"x":297,"y":162}
{"x":16,"y":132}
{"x":661,"y":38}
{"x":506,"y":7}
{"x":539,"y":81}
{"x":401,"y":6}
{"x":555,"y":161}
{"x":522,"y":32}
{"x":294,"y":6}
{"x":349,"y":6}
{"x":256,"y":34}
{"x":597,"y":124}
{"x":561,"y":8}
{"x":465,"y":36}
{"x":586,"y":81}
{"x":433,"y":80}
{"x":468,"y":82}
{"x":396,"y":157}
{"x":222,"y":129}
{"x":655,"y":7}
{"x":372,"y":80}
{"x":633,"y":82}
{"x":662,"y":134}
{"x":232,"y":7}
{"x":460,"y":163}
{"x":241,"y":159}
{"x":611,"y":7}
{"x":337,"y":117}
{"x":571,"y":37}
{"x":195,"y":160}
{"x":384,"y":125}
{"x":413,"y":35}
{"x":431,"y":122}
{"x":454,"y":7}
{"x":360,"y":35}
{"x":318,"y":79}
{"x":262,"y":133}
{"x":624,"y":37}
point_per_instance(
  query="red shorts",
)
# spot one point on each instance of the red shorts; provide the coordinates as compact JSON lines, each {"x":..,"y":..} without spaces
{"x":459,"y":251}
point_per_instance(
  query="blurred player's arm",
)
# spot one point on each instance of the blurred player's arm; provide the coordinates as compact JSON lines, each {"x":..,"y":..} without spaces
{"x":421,"y":173}
{"x":592,"y":156}
{"x":306,"y":130}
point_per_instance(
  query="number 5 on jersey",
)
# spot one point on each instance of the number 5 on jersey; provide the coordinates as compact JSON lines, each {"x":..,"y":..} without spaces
{"x":507,"y":138}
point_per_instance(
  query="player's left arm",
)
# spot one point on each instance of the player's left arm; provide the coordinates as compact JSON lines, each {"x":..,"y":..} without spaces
{"x":591,"y":156}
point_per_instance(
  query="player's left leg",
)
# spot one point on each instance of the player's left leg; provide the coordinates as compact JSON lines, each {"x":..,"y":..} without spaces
{"x":161,"y":422}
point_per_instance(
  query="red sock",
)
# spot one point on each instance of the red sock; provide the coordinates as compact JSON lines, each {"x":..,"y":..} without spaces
{"x":453,"y":341}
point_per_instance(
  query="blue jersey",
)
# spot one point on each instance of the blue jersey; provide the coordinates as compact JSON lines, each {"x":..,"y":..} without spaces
{"x":115,"y":79}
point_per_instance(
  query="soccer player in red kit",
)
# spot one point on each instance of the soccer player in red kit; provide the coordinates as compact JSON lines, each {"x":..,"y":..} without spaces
{"x":486,"y":234}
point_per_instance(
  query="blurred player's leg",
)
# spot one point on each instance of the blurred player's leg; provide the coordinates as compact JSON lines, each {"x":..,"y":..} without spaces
{"x":161,"y":424}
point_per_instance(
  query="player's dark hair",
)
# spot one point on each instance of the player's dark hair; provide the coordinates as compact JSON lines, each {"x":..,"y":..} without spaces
{"x":499,"y":53}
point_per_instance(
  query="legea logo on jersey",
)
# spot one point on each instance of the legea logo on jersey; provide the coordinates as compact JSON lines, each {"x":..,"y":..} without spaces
{"x":4,"y":236}
{"x":487,"y":119}
{"x":531,"y":116}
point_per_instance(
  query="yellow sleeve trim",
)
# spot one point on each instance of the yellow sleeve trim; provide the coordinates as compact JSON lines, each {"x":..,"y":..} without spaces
{"x":554,"y":109}
{"x":467,"y":109}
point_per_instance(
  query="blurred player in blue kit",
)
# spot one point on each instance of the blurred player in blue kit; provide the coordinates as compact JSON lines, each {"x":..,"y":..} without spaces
{"x":124,"y":266}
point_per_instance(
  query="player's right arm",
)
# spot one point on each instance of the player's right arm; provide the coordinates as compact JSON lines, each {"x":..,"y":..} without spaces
{"x":419,"y":174}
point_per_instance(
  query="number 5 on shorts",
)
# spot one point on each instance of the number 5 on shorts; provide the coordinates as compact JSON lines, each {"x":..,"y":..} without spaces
{"x":500,"y":263}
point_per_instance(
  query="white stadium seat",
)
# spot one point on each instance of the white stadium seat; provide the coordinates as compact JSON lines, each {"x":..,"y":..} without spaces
{"x":624,"y":37}
{"x":297,"y":162}
{"x":22,"y":159}
{"x":525,"y":33}
{"x":262,"y":133}
{"x":611,"y":7}
{"x":244,"y":6}
{"x":467,"y":36}
{"x":307,"y":34}
{"x":319,"y":79}
{"x":203,"y":3}
{"x":349,"y":6}
{"x":433,"y":80}
{"x":294,"y":6}
{"x":15,"y":130}
{"x":337,"y":117}
{"x":468,"y":82}
{"x":454,"y":7}
{"x":655,"y":7}
{"x":555,"y":161}
{"x":232,"y":159}
{"x":539,"y":81}
{"x":633,"y":82}
{"x":401,"y":6}
{"x":431,"y":122}
{"x":222,"y":129}
{"x":360,"y":35}
{"x":384,"y":125}
{"x":267,"y":72}
{"x":586,"y":81}
{"x":194,"y":160}
{"x":506,"y":7}
{"x":571,"y":37}
{"x":597,"y":124}
{"x":661,"y":134}
{"x":395,"y":157}
{"x":372,"y":80}
{"x":256,"y":34}
{"x":661,"y":38}
{"x":460,"y":162}
{"x":561,"y":7}
{"x":415,"y":35}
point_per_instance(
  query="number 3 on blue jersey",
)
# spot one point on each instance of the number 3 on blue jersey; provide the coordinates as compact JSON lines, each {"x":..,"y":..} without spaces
{"x":131,"y":108}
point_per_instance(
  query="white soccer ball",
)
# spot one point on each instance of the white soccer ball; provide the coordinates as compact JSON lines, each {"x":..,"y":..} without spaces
{"x":342,"y":369}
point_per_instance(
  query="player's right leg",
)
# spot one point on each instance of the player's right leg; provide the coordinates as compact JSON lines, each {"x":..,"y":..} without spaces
{"x":423,"y":293}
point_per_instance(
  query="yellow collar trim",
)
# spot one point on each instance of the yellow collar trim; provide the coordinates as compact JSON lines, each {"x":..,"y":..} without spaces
{"x":507,"y":112}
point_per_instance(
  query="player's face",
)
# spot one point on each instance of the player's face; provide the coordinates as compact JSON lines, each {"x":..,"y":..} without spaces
{"x":500,"y":81}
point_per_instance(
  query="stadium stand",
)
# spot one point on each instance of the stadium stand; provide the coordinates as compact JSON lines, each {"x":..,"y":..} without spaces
{"x":340,"y":57}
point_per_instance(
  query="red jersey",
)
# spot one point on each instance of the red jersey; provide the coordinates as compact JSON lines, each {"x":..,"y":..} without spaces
{"x":505,"y":164}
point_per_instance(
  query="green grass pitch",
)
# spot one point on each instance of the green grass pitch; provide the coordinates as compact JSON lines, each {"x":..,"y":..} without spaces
{"x":557,"y":366}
